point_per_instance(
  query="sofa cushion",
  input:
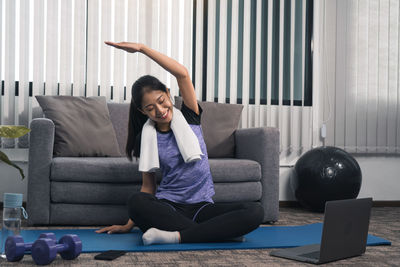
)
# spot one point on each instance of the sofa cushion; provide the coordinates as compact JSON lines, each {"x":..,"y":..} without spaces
{"x":238,"y":192}
{"x":118,"y":194}
{"x":93,"y":169}
{"x":81,"y":214}
{"x":121,"y":170}
{"x":83,"y":126}
{"x":234,"y":170}
{"x":219,"y":122}
{"x":119,"y":115}
{"x":100,"y":193}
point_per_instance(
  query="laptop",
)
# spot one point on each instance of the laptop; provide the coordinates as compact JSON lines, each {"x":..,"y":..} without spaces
{"x":344,"y":233}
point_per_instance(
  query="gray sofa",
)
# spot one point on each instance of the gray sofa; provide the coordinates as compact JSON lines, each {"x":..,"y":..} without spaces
{"x":94,"y":190}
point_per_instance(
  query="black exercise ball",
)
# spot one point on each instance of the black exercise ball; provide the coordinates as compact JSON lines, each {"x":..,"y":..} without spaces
{"x":323,"y":174}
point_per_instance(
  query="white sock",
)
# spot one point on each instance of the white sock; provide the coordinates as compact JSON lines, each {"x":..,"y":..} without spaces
{"x":156,"y":236}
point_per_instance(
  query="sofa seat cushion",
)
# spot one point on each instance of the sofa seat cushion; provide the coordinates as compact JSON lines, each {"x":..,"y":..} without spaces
{"x":92,"y":193}
{"x":121,"y":170}
{"x":229,"y":170}
{"x":93,"y":169}
{"x":87,"y":214}
{"x":118,"y":194}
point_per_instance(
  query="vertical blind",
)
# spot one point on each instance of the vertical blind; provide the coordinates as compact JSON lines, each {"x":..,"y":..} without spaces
{"x":256,"y":52}
{"x":54,"y":47}
{"x":363,"y":75}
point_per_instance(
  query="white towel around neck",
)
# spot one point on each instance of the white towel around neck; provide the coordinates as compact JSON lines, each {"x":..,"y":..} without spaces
{"x":186,"y":139}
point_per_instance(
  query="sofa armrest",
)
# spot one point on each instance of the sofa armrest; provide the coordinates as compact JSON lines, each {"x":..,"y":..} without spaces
{"x":41,"y":144}
{"x":262,"y":145}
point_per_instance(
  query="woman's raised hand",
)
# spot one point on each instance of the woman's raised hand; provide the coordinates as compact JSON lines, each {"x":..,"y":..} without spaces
{"x":128,"y":47}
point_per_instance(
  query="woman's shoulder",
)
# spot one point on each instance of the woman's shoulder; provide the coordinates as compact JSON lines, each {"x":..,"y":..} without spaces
{"x":191,"y":116}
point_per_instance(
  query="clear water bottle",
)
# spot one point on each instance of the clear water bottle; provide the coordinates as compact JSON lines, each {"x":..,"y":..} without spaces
{"x":11,"y":225}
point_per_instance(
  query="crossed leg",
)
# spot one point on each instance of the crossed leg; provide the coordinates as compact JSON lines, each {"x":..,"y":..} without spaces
{"x":213,"y":222}
{"x":149,"y":212}
{"x":221,"y":221}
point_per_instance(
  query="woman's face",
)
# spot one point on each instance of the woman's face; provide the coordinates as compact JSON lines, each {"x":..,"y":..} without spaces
{"x":157,"y":106}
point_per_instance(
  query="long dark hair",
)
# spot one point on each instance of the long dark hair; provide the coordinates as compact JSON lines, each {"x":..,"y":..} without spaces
{"x":136,"y":118}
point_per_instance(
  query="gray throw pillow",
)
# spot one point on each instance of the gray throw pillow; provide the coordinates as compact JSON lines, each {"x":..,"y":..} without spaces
{"x":82,"y":126}
{"x":219,"y":122}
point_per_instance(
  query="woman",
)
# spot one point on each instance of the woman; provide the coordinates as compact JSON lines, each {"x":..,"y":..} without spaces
{"x":181,"y":209}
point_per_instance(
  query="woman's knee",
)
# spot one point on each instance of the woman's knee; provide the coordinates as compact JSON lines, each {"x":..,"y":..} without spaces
{"x":137,"y":200}
{"x":255,"y":212}
{"x":138,"y":197}
{"x":259,"y":212}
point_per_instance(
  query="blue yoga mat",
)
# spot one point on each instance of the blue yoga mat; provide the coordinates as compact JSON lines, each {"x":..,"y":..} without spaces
{"x":262,"y":237}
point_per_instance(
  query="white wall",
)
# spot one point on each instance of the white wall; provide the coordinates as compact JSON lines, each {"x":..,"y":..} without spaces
{"x":381,"y":179}
{"x":11,"y":181}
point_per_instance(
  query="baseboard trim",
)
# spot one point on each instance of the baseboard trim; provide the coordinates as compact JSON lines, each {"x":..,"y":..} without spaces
{"x":383,"y":203}
{"x":377,"y":203}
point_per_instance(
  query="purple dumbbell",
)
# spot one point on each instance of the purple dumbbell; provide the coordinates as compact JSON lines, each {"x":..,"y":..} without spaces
{"x":15,"y":247}
{"x":45,"y":250}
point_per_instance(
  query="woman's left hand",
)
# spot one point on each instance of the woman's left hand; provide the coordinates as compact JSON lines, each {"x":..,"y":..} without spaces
{"x":128,"y":47}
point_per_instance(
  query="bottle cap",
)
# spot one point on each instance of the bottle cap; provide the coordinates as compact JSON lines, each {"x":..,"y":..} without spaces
{"x":12,"y":200}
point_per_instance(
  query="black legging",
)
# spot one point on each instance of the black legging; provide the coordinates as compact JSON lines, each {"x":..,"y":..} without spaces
{"x":200,"y":222}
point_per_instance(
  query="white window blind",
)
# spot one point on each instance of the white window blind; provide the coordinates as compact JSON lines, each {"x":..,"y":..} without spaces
{"x":361,"y":106}
{"x":255,"y":53}
{"x":56,"y":47}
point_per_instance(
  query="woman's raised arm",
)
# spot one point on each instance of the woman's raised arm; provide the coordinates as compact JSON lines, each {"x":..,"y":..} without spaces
{"x":169,"y":64}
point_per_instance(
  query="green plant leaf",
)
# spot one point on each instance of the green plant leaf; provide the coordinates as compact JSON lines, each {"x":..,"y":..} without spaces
{"x":12,"y":131}
{"x":5,"y":159}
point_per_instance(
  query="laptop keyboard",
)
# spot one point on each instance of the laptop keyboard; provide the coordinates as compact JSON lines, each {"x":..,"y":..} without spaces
{"x":312,"y":255}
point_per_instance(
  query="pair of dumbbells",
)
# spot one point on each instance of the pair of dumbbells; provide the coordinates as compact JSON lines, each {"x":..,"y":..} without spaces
{"x":45,"y":249}
{"x":15,"y":247}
